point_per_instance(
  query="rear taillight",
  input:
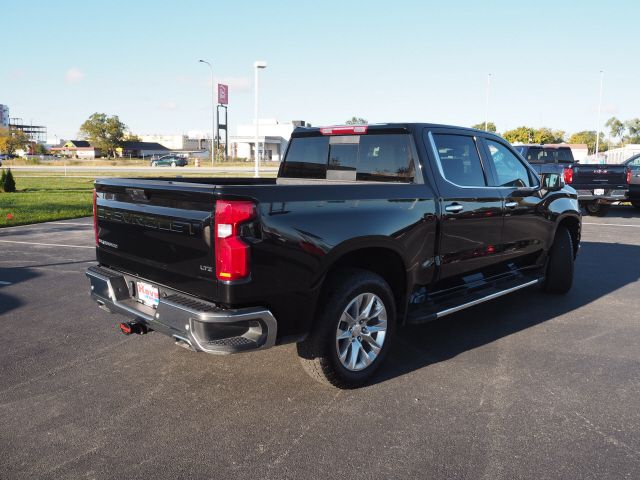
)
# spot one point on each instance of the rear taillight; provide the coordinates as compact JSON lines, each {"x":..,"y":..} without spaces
{"x":567,"y":173}
{"x":95,"y":215}
{"x":345,"y":130}
{"x":232,"y":254}
{"x":628,"y":175}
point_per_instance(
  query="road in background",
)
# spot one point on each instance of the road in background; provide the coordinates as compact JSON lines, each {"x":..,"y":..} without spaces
{"x":529,"y":386}
{"x":146,"y":169}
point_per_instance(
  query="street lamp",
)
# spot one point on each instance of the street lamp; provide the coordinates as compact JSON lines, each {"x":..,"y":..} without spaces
{"x":599,"y":110}
{"x":213,"y":115}
{"x":486,"y":106}
{"x":257,"y":65}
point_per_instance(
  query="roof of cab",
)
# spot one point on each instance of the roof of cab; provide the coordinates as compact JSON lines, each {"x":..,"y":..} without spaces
{"x":387,"y":128}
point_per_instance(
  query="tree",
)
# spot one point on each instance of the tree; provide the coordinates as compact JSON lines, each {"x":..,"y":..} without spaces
{"x":3,"y":175}
{"x":633,"y":127}
{"x":589,"y":137}
{"x":9,"y":184}
{"x":356,"y":121}
{"x":546,"y":135}
{"x":519,"y":135}
{"x":616,"y":128}
{"x":104,"y":132}
{"x":491,"y":127}
{"x":130,"y":137}
{"x":12,"y":140}
{"x":40,"y":149}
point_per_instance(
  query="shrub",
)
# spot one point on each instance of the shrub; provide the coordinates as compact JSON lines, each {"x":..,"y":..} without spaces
{"x":3,"y":175}
{"x":9,"y":184}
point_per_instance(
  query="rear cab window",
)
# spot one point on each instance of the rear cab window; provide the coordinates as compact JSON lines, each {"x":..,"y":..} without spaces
{"x":371,"y":157}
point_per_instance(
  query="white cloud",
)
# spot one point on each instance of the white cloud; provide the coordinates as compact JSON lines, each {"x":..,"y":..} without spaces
{"x":168,"y":105}
{"x":74,"y":75}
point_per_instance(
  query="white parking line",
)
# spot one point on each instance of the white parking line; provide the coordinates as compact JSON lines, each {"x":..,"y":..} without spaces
{"x":4,"y":283}
{"x":46,"y":244}
{"x":612,"y":224}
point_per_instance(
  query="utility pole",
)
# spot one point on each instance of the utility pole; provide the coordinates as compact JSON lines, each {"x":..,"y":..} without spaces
{"x":486,"y":106}
{"x":599,"y":111}
{"x":257,"y":66}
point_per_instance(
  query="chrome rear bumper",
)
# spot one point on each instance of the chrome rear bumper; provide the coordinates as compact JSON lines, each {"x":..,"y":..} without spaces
{"x":191,"y":322}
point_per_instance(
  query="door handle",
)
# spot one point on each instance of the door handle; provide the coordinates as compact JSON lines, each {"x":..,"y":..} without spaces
{"x":454,"y":208}
{"x":511,"y":204}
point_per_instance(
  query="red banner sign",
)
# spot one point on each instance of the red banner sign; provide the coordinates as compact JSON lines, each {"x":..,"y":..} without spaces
{"x":223,"y":94}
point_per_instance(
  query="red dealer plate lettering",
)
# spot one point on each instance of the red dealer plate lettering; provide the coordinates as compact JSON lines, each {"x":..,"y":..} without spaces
{"x":148,"y":294}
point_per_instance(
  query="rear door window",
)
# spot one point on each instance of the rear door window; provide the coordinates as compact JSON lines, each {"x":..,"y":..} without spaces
{"x":459,"y":159}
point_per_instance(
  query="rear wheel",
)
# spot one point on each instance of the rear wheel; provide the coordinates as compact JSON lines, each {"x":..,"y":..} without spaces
{"x":353,"y":329}
{"x":597,"y":209}
{"x":559,"y":274}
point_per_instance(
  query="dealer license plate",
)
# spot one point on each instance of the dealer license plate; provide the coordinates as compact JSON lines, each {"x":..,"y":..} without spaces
{"x":148,"y":294}
{"x":598,"y":191}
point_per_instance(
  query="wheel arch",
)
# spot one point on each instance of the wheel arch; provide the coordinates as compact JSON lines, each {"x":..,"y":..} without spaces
{"x":380,"y":257}
{"x":573,"y":224}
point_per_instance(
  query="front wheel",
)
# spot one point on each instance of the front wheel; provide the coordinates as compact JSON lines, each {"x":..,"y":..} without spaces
{"x":173,"y":164}
{"x":597,"y":209}
{"x":559,"y":274}
{"x":353,"y":329}
{"x":154,"y":164}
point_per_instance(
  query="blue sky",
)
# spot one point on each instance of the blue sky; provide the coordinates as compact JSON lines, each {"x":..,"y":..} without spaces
{"x":328,"y":60}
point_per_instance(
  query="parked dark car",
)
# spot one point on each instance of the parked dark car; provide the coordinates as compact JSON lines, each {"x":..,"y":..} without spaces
{"x":634,"y":185}
{"x":366,"y":228}
{"x":170,"y":161}
{"x":598,"y":186}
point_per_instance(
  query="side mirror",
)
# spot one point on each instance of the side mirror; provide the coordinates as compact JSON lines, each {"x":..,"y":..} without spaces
{"x":552,"y":182}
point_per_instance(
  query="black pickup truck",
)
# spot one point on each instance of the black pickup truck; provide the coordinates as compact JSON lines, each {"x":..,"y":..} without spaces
{"x":633,"y":196}
{"x":598,"y":186}
{"x":365,"y":229}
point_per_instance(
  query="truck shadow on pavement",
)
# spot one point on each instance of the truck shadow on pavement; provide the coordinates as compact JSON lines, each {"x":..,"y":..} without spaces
{"x":13,"y":275}
{"x":601,"y":268}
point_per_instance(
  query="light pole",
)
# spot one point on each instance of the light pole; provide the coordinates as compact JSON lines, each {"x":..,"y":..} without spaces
{"x":213,"y":115}
{"x":486,"y":105}
{"x":599,"y":110}
{"x":257,"y":66}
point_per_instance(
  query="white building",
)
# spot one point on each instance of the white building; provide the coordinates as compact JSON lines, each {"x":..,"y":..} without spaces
{"x":185,"y":143}
{"x":620,"y":154}
{"x":272,"y":135}
{"x":4,"y":116}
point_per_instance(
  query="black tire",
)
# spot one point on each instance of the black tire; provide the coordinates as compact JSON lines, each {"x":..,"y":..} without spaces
{"x":559,"y":274}
{"x":636,"y":204}
{"x":597,"y":209}
{"x":319,"y":351}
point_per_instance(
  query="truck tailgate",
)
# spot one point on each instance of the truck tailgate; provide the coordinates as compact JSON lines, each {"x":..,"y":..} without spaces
{"x":160,"y":231}
{"x":600,"y":176}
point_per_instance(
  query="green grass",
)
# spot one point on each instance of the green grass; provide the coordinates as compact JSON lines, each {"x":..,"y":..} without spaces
{"x":45,"y":199}
{"x":56,"y":197}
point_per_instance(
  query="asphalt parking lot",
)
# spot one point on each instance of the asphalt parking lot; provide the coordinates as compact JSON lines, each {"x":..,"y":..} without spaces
{"x":529,"y":386}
